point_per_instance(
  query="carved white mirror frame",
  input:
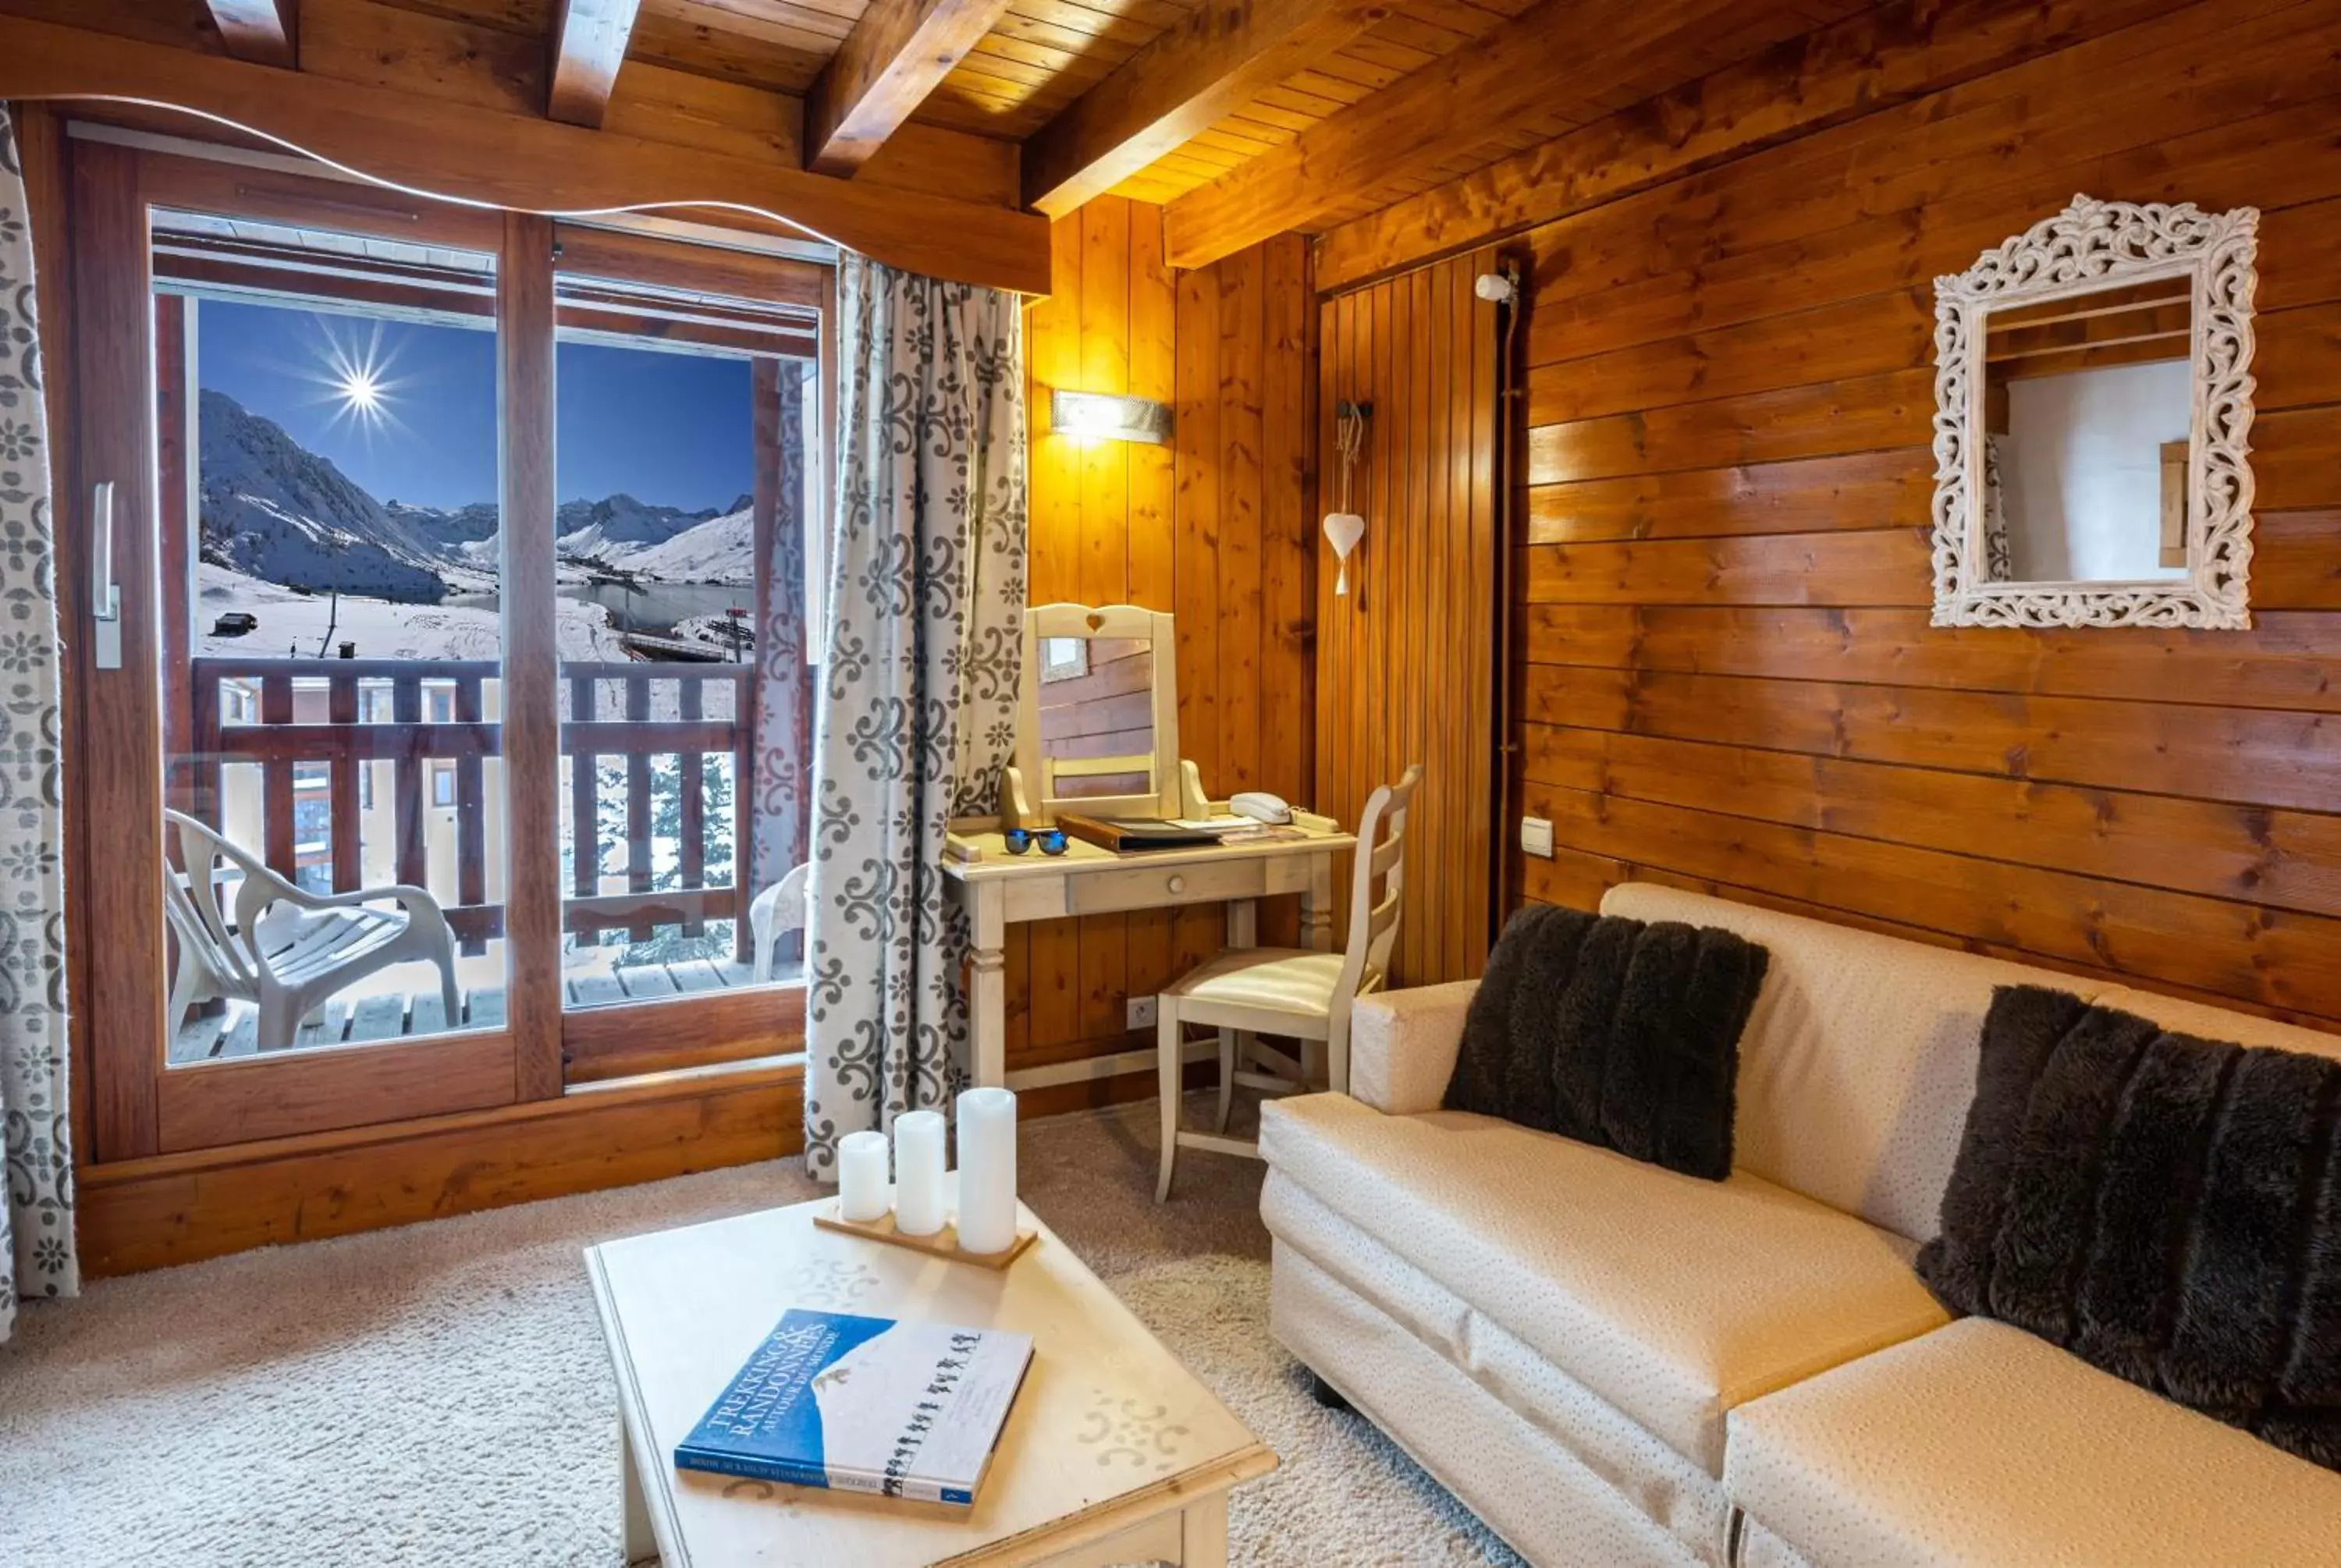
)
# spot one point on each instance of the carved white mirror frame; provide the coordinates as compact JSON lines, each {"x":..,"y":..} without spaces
{"x":2093,"y":246}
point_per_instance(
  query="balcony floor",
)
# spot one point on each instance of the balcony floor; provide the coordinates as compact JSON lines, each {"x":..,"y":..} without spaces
{"x":367,"y":1014}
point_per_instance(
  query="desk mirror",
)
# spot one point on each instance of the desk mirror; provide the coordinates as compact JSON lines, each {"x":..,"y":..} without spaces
{"x":1098,"y":718}
{"x":2093,"y":406}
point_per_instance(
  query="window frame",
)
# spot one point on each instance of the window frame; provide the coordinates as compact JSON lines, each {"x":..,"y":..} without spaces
{"x":142,"y":1106}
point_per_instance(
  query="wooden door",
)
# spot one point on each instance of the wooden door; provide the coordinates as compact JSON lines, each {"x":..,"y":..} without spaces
{"x":172,"y":725}
{"x":1407,"y":661}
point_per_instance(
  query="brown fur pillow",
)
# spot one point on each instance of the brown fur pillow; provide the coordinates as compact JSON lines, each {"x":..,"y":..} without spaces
{"x":1613,"y":1032}
{"x":2167,"y":1208}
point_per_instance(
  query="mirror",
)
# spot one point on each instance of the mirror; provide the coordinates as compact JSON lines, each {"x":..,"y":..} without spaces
{"x":2093,"y":409}
{"x":2087,"y":407}
{"x":1098,"y":715}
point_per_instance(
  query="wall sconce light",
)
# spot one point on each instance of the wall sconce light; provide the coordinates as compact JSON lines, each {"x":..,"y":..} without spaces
{"x":1108,"y":416}
{"x":1344,"y":529}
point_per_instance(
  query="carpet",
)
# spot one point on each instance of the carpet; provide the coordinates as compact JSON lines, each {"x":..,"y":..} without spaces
{"x":438,"y":1396}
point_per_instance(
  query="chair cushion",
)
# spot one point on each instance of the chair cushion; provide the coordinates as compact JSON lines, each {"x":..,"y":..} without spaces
{"x":1981,"y":1443}
{"x":1673,"y":1298}
{"x":1286,"y":979}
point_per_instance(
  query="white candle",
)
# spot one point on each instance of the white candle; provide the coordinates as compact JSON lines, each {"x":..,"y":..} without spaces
{"x":919,"y":1173}
{"x":987,"y":1170}
{"x":861,"y":1187}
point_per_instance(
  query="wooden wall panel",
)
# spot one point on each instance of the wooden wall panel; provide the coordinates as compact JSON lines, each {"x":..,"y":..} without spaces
{"x":1726,"y":676}
{"x":1215,"y":527}
{"x":1408,"y":657}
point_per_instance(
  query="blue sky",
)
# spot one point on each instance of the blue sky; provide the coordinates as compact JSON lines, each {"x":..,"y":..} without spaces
{"x":669,"y":429}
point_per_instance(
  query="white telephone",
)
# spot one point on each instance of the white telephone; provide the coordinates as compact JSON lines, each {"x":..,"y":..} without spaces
{"x":1261,"y":806}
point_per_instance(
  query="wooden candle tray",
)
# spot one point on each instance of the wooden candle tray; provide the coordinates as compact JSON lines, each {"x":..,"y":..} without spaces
{"x":943,"y":1244}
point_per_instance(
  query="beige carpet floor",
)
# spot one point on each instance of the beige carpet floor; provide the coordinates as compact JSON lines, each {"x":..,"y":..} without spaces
{"x":437,"y":1396}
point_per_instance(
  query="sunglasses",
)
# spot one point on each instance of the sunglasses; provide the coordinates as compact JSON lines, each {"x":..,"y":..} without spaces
{"x":1020,"y":839}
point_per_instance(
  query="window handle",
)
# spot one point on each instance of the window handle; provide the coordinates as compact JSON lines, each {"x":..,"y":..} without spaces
{"x":106,"y":594}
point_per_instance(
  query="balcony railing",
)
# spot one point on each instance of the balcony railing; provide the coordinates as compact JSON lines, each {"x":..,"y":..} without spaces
{"x":328,"y":711}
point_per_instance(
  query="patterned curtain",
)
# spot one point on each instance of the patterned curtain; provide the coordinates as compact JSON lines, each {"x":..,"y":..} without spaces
{"x":918,"y":696}
{"x":777,"y":807}
{"x":37,"y":1238}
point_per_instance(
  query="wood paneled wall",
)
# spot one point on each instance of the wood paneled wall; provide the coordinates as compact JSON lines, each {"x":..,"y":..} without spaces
{"x":1215,"y":527}
{"x":1728,"y":677}
{"x":1406,"y":659}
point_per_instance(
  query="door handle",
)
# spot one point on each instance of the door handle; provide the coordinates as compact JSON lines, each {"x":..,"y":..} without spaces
{"x":106,"y":594}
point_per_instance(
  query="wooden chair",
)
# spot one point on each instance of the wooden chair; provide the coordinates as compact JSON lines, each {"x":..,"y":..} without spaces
{"x":1293,"y":992}
{"x":287,"y":949}
{"x":776,"y":911}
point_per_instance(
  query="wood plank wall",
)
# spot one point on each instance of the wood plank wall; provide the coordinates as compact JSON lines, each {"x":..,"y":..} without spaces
{"x":1728,"y":677}
{"x":1214,"y":526}
{"x":1407,"y":659}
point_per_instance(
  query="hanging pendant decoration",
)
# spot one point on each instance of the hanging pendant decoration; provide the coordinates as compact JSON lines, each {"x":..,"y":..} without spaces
{"x":1345,"y":528}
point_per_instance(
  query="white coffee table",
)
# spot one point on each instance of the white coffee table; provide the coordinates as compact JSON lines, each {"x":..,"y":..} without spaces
{"x":1113,"y":1452}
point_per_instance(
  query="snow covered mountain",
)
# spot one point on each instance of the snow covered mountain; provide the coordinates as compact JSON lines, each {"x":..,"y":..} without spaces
{"x":274,"y":511}
{"x":720,"y":549}
{"x":618,"y":526}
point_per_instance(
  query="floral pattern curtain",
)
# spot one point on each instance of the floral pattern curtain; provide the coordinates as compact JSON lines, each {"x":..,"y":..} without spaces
{"x":918,"y":696}
{"x":777,"y":807}
{"x":36,"y":1237}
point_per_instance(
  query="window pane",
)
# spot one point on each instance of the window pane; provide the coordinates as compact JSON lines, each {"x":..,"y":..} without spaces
{"x":659,"y":516}
{"x":334,"y":664}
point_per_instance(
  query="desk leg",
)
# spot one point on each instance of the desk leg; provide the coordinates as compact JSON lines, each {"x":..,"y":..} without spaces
{"x":988,"y":988}
{"x":1316,"y":905}
{"x":635,"y":1533}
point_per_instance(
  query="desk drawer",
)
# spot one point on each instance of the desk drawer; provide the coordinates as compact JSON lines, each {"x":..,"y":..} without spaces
{"x":1156,"y":887}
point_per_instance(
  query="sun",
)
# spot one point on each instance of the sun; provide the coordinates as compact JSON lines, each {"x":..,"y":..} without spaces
{"x":354,"y":375}
{"x":359,"y":391}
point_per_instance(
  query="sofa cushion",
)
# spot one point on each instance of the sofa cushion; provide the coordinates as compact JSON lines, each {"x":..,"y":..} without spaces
{"x":1673,"y":1298}
{"x":1356,"y":1313}
{"x":1859,"y":1061}
{"x":1981,"y":1443}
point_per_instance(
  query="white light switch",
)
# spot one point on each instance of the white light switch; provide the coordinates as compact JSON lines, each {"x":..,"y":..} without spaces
{"x":1536,"y":837}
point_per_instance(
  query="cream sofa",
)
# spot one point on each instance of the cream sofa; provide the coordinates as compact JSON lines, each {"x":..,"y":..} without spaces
{"x":1615,"y":1364}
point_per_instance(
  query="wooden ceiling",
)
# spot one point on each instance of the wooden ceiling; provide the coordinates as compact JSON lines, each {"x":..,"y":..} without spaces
{"x":1243,"y":117}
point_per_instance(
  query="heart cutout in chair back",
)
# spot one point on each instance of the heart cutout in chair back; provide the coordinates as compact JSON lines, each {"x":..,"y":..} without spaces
{"x":1097,"y":622}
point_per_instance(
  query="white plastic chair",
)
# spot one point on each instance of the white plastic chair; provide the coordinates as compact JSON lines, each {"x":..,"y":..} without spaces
{"x":776,"y":911}
{"x":1294,"y":992}
{"x":287,"y":949}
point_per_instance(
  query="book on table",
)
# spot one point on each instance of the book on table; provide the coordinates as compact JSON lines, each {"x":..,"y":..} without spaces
{"x":893,"y":1407}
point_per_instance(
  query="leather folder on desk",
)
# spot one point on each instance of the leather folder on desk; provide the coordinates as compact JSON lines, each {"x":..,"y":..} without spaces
{"x":1137,"y":834}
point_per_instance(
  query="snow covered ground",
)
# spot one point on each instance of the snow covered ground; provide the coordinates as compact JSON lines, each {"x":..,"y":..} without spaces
{"x":296,"y":623}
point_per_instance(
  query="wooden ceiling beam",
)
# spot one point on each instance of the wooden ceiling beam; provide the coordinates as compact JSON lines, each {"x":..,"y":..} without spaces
{"x":897,"y":54}
{"x":1558,"y":53}
{"x":264,"y":32}
{"x":588,"y":45}
{"x":465,"y":152}
{"x":1225,"y":54}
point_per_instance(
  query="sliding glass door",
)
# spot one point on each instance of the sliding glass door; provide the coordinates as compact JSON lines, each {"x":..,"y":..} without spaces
{"x":334,"y":720}
{"x":683,"y":376}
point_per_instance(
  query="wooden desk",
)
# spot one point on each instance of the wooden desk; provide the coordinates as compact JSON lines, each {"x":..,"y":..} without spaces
{"x":998,"y":890}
